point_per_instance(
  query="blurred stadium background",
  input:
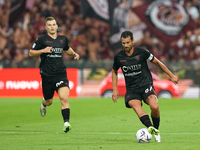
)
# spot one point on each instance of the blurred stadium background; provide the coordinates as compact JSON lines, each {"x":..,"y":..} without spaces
{"x":168,"y":29}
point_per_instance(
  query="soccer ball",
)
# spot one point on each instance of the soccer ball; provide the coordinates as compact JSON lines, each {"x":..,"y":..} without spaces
{"x":143,"y":136}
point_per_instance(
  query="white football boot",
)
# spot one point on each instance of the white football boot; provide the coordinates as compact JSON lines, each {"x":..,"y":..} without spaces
{"x":157,"y":138}
{"x":67,"y":127}
{"x":43,"y":110}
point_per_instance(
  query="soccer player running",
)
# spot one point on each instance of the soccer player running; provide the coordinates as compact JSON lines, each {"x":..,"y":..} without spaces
{"x":50,"y":48}
{"x":139,"y":82}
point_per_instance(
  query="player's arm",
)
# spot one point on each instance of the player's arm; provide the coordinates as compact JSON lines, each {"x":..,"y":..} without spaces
{"x":71,"y":52}
{"x":160,"y":65}
{"x":35,"y":53}
{"x":115,"y":94}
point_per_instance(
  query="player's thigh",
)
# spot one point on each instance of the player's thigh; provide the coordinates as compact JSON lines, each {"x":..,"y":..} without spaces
{"x":135,"y":104}
{"x":152,"y":101}
{"x":47,"y":88}
{"x":63,"y":92}
{"x":132,"y":95}
{"x":137,"y":107}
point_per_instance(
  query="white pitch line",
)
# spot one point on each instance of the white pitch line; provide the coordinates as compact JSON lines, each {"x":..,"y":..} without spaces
{"x":130,"y":133}
{"x":97,"y":133}
{"x":5,"y":132}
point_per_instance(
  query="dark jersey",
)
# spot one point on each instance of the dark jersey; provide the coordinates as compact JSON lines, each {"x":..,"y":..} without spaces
{"x":51,"y":63}
{"x":134,"y":67}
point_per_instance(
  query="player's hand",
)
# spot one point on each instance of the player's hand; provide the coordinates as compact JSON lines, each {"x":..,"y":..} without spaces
{"x":76,"y":56}
{"x":115,"y":96}
{"x":174,"y":79}
{"x":48,"y":50}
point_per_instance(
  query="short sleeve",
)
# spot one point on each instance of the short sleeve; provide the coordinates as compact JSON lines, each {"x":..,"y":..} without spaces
{"x":115,"y":64}
{"x":37,"y":45}
{"x":66,"y":47}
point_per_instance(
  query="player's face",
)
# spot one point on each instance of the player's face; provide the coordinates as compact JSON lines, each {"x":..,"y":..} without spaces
{"x":127,"y":43}
{"x":51,"y":27}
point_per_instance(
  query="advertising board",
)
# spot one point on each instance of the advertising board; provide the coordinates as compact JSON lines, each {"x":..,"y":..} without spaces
{"x":27,"y":82}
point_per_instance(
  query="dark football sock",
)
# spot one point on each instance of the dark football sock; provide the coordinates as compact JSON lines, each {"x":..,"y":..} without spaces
{"x":66,"y":114}
{"x":156,"y":122}
{"x":146,"y":121}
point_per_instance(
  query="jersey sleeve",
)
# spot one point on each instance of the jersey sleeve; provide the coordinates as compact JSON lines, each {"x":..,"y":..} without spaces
{"x":115,"y":64}
{"x":37,"y":45}
{"x":148,"y":55}
{"x":66,"y":47}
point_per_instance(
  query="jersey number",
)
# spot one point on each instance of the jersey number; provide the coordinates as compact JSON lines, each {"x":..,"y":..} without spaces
{"x":148,"y":89}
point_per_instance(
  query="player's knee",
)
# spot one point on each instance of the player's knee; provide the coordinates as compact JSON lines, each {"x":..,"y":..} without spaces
{"x":48,"y":103}
{"x":64,"y":101}
{"x":155,"y":109}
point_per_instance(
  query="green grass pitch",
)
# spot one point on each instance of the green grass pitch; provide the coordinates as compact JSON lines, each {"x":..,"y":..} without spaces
{"x":97,"y":124}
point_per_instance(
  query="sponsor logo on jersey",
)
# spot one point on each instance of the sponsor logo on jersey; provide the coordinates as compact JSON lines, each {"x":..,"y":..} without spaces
{"x":131,"y":67}
{"x":57,"y":50}
{"x":133,"y":73}
{"x":167,"y":16}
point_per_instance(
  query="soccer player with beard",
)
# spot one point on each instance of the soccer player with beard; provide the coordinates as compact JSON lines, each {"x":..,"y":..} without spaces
{"x":50,"y":48}
{"x":139,"y":82}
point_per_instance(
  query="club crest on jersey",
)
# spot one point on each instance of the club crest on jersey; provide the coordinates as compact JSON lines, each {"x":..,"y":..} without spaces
{"x":167,"y":16}
{"x":61,"y":41}
{"x":137,"y":57}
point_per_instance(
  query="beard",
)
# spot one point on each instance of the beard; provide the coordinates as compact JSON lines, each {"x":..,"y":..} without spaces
{"x":128,"y":49}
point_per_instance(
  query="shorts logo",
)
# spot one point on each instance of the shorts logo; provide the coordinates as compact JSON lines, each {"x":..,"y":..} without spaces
{"x":59,"y":83}
{"x":167,"y":16}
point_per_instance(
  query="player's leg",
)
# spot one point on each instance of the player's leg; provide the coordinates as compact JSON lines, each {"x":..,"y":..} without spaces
{"x":149,"y":97}
{"x":47,"y":102}
{"x":43,"y":107}
{"x":142,"y":115}
{"x":133,"y":99}
{"x":152,"y":101}
{"x":63,"y":93}
{"x":48,"y":92}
